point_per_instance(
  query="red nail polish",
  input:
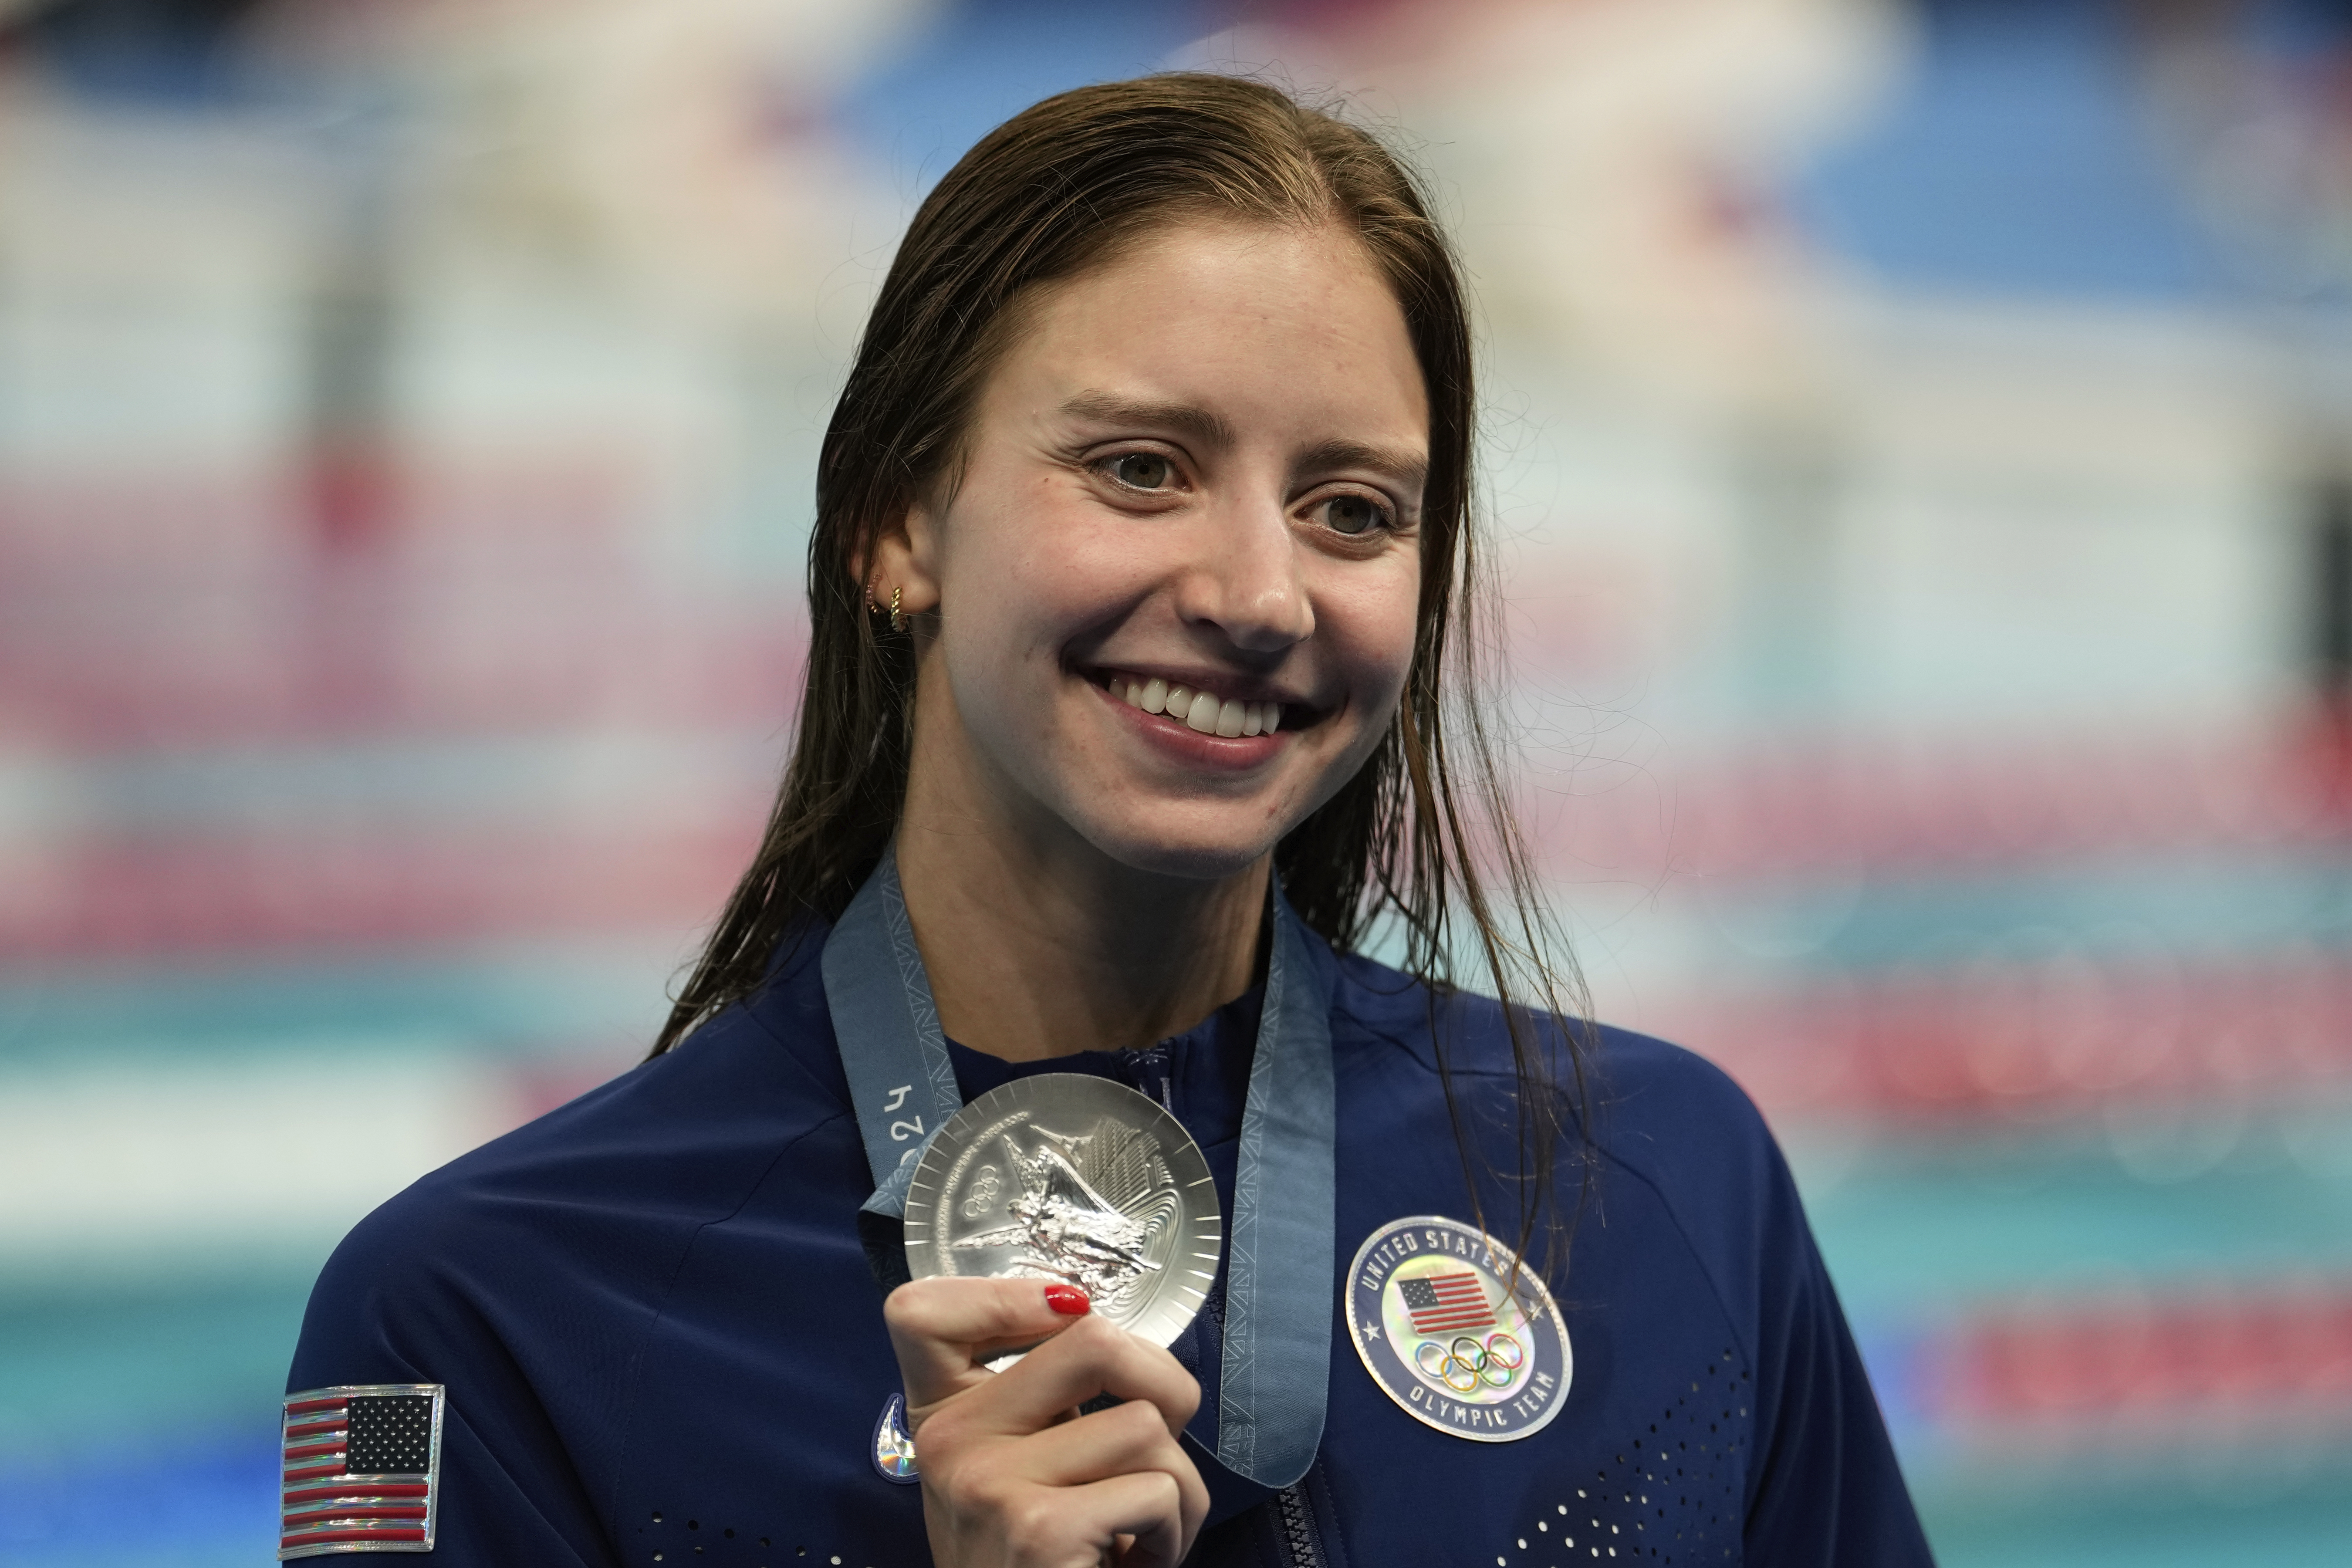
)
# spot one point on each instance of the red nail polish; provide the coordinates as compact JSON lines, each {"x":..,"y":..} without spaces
{"x":1069,"y":1301}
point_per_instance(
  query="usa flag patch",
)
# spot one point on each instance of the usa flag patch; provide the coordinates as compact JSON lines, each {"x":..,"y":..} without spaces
{"x":361,"y":1469}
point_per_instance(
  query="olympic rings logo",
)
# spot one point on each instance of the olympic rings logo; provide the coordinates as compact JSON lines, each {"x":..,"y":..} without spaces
{"x":1468,"y":1364}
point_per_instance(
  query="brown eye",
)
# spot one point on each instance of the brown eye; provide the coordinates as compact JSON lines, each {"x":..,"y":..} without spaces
{"x":1143,"y":470}
{"x":1352,"y":514}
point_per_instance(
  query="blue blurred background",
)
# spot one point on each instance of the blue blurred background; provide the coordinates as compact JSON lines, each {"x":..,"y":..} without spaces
{"x":1920,"y":459}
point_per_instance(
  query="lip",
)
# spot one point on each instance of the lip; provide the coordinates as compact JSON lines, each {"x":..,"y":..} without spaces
{"x":1180,"y":743}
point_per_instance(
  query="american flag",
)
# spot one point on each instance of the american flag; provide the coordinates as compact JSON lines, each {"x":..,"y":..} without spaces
{"x":1446,"y":1303}
{"x":362,"y":1465}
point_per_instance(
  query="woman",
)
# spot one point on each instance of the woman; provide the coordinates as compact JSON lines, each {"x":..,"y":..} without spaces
{"x":1142,"y":525}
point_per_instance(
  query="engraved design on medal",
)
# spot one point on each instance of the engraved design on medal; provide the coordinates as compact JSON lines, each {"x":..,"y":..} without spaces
{"x":1088,"y":1210}
{"x":984,"y":1188}
{"x":1076,"y":1179}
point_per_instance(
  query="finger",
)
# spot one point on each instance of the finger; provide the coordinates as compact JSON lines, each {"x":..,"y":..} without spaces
{"x":1108,"y":1443}
{"x":1090,"y":1358}
{"x":942,"y":1328}
{"x":1145,"y":1507}
{"x":1127,"y":1440}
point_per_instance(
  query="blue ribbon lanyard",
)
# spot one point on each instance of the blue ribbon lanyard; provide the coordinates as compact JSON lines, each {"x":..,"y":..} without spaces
{"x":1278,"y":1326}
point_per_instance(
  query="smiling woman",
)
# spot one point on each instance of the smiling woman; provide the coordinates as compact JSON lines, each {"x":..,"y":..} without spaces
{"x":1135,"y":702}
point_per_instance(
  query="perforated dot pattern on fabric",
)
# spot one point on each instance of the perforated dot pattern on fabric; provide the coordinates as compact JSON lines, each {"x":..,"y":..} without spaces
{"x":671,"y":1540}
{"x":1673,"y":1493}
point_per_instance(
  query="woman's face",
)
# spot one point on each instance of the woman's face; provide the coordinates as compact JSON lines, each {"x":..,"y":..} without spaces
{"x":1192,"y":484}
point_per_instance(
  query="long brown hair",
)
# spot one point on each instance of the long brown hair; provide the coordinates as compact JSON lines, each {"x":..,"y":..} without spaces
{"x":1421,"y":836}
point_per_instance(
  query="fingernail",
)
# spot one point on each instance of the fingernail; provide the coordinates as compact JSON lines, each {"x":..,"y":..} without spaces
{"x":1069,"y":1301}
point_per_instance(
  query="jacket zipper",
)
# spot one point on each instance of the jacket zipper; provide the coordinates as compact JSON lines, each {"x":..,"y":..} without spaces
{"x":1298,"y":1527}
{"x":1155,"y":1075}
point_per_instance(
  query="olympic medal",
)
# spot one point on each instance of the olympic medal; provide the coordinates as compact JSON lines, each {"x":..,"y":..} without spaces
{"x":1074,"y":1179}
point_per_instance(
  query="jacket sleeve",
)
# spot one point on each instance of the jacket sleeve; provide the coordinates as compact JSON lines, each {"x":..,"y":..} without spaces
{"x":1825,"y":1489}
{"x":387,"y":1310}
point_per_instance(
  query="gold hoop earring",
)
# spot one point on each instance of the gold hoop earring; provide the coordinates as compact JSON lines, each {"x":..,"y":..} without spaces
{"x":897,"y":621}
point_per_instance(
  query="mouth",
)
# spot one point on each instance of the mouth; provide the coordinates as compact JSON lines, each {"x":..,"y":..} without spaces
{"x":1230,"y":713}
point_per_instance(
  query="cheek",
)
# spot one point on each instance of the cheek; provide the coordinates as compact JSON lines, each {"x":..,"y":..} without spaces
{"x":1039,"y":568}
{"x":1372,"y":623}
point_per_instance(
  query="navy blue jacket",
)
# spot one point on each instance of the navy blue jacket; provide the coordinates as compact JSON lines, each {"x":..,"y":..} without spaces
{"x":662,"y":1340}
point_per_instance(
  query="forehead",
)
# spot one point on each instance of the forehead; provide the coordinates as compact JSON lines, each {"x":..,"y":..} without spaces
{"x":1281,"y":331}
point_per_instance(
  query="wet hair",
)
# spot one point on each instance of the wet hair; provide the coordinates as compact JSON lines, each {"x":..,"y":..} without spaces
{"x":1419,"y":846}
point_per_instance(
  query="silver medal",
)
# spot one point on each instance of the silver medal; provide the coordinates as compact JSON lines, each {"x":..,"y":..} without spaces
{"x":1068,"y":1177}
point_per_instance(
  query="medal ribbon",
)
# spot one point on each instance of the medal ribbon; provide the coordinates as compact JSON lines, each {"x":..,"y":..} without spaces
{"x":1271,"y":1388}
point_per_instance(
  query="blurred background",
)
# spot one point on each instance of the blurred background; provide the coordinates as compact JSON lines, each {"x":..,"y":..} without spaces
{"x":1920,"y":456}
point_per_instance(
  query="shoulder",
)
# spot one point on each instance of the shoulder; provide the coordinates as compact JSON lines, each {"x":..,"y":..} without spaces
{"x":594,"y":1202}
{"x":1665,"y":1110}
{"x":1645,"y":1085}
{"x":1663,"y":1115}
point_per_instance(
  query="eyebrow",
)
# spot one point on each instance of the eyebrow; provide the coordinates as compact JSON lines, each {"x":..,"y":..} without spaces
{"x":1409,"y":469}
{"x":1209,"y":429}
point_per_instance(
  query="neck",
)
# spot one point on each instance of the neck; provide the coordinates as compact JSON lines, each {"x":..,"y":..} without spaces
{"x":1041,"y":951}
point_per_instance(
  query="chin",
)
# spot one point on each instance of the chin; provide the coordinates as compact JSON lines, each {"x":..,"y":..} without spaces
{"x":1204,"y":856}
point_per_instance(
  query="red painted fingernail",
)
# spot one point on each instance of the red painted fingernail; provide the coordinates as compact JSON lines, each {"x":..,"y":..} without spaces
{"x":1069,"y":1301}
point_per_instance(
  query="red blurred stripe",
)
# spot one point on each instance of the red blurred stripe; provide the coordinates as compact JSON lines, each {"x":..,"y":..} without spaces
{"x":1962,"y":802}
{"x":2031,"y":1039}
{"x":264,"y":892}
{"x":2136,"y":1357}
{"x":287,"y":644}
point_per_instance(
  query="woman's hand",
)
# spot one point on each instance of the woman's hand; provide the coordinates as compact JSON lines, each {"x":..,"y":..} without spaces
{"x":1013,"y":1477}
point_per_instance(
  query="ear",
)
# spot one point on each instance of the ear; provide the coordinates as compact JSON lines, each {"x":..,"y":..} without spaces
{"x":906,"y":558}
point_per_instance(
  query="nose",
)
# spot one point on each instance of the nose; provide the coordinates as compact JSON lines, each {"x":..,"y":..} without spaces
{"x":1247,"y":581}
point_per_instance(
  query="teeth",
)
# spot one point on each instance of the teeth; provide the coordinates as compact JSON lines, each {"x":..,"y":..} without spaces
{"x":1204,"y":710}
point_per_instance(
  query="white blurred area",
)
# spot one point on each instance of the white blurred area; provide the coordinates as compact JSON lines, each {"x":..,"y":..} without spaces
{"x":140,"y":1164}
{"x":1919,"y":478}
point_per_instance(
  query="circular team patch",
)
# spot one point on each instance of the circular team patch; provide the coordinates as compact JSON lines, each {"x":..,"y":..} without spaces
{"x":1430,"y":1314}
